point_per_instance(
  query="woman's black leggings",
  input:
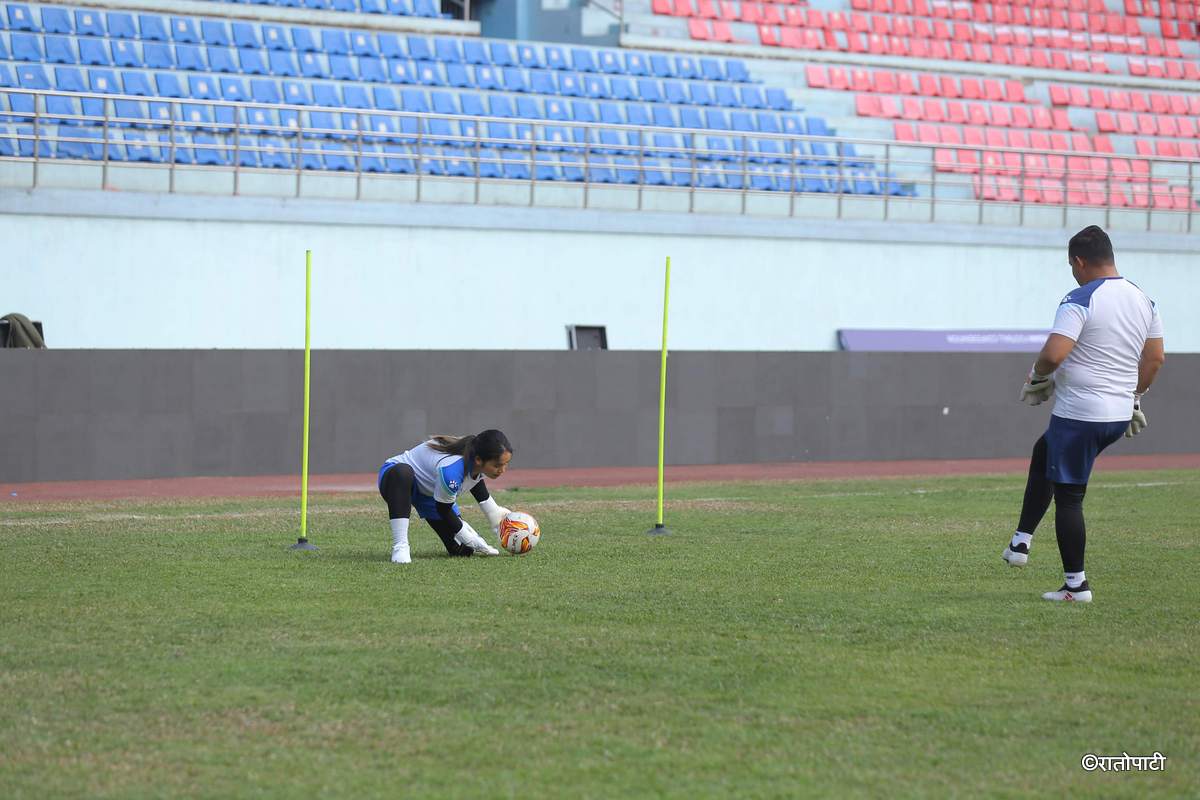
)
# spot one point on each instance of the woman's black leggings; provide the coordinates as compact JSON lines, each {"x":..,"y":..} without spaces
{"x":396,"y":490}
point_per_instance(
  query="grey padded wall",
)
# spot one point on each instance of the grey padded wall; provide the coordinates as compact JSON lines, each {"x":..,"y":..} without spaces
{"x":107,"y":414}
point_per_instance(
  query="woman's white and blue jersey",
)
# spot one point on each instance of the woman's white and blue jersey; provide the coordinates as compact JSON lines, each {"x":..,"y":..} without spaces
{"x":440,"y":478}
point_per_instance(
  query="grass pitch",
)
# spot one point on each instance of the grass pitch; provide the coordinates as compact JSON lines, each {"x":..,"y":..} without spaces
{"x":824,"y":639}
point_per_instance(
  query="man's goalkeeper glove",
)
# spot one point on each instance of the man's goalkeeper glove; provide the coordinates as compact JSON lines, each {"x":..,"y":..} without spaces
{"x":1037,"y":388}
{"x":1138,"y":422}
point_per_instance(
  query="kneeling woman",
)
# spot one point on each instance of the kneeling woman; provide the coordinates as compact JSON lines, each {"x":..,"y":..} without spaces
{"x":431,"y":476}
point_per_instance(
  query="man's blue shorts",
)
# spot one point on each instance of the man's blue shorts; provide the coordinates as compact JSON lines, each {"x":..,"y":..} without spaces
{"x":425,"y":505}
{"x":1072,"y":446}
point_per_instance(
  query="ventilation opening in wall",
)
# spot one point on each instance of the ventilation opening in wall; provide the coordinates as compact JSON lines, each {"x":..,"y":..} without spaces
{"x":586,"y":337}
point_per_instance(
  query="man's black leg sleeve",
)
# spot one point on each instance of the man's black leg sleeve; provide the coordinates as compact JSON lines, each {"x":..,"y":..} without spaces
{"x":1038,"y":490}
{"x":1068,"y":524}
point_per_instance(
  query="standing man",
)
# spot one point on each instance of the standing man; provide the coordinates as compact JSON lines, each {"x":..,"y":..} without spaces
{"x":1100,"y":358}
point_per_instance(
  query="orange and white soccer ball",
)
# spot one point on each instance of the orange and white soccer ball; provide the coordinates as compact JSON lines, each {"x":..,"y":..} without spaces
{"x":519,"y":532}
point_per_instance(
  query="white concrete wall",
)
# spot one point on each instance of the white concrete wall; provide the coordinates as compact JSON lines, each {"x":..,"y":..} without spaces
{"x":124,"y":282}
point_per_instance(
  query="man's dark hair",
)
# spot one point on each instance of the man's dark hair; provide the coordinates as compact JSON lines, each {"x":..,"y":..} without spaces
{"x":1092,"y":245}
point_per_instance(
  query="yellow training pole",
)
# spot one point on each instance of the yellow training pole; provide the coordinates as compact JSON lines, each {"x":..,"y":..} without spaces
{"x":302,"y":543}
{"x":659,"y":527}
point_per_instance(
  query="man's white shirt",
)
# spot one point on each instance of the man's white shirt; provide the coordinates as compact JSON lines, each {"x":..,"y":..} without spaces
{"x":1110,"y":320}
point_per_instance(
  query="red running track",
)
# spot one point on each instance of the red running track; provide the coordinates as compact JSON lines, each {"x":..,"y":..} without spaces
{"x":286,"y":485}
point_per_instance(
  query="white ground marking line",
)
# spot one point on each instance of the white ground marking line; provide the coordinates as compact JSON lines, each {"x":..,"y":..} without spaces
{"x":118,"y":517}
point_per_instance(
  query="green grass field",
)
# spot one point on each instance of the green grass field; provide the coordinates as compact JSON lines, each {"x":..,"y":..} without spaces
{"x":823,"y":639}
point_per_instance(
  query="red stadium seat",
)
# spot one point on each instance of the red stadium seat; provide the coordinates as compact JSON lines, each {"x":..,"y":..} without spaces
{"x":1146,"y":125}
{"x":884,"y":81}
{"x":948,"y":86}
{"x":932,"y":110}
{"x":698,"y":29}
{"x":1166,"y":148}
{"x":1166,"y":126}
{"x":661,"y":6}
{"x":768,"y":35}
{"x":681,"y":8}
{"x":751,"y":13}
{"x":1061,"y":121}
{"x":1097,"y":97}
{"x":956,"y":112}
{"x":860,"y":80}
{"x":928,"y":134}
{"x":951,"y":135}
{"x":1014,"y":91}
{"x":1177,"y":104}
{"x":977,"y":114}
{"x":706,"y":9}
{"x":816,"y":76}
{"x":904,"y":132}
{"x":1118,"y":100}
{"x":888,"y":107}
{"x":1102,"y":144}
{"x":1042,"y":118}
{"x":911,"y":109}
{"x":992,"y":90}
{"x":838,"y":78}
{"x":1001,"y":116}
{"x":928,"y":85}
{"x":1059,"y":95}
{"x":867,"y":105}
{"x":1187,"y":127}
{"x":721,"y":31}
{"x":1020,"y":117}
{"x":1159,"y":103}
{"x":1078,"y":96}
{"x":1105,"y":122}
{"x":1143,"y":147}
{"x":1126,"y":123}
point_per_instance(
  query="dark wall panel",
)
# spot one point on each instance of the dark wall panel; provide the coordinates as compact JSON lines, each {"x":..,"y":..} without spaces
{"x":94,"y":414}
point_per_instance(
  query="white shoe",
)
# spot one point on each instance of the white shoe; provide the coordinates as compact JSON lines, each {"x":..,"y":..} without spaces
{"x":467,"y":537}
{"x":1018,"y":557}
{"x":1081,"y":594}
{"x":400,"y":555}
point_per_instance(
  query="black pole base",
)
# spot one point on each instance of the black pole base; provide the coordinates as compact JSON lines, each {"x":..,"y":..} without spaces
{"x":659,"y":530}
{"x":303,"y":544}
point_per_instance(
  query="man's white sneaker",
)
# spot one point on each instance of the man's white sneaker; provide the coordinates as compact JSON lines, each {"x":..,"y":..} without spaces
{"x":467,"y":537}
{"x":400,"y":555}
{"x":1080,"y":594}
{"x":1016,"y":556}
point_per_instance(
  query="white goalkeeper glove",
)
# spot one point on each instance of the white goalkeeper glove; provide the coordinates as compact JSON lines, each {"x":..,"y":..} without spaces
{"x":469,"y":538}
{"x":1138,"y":422}
{"x":1037,"y":388}
{"x":494,"y":512}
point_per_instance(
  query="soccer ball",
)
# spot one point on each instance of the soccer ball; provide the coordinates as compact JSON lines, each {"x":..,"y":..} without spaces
{"x":519,"y":532}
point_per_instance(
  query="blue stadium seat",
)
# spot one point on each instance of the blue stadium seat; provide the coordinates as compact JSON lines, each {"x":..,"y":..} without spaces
{"x":487,"y":78}
{"x":515,"y":79}
{"x":751,"y":97}
{"x":685,"y":67}
{"x":528,"y":56}
{"x":338,"y":157}
{"x":419,"y":50}
{"x":26,"y":47}
{"x":426,"y":8}
{"x":80,"y":143}
{"x":363,"y":44}
{"x":251,"y":61}
{"x":189,"y":56}
{"x":68,"y":79}
{"x":323,"y":124}
{"x":234,"y":89}
{"x":312,"y":65}
{"x":303,"y":41}
{"x":152,"y":28}
{"x":220,"y":59}
{"x":209,"y":150}
{"x":390,"y":47}
{"x":183,"y":29}
{"x":275,"y":37}
{"x":542,"y":82}
{"x":556,"y":110}
{"x":214,"y":31}
{"x":736,"y":71}
{"x":610,"y":63}
{"x":710,"y":70}
{"x":129,"y":112}
{"x":373,"y":6}
{"x":570,"y":85}
{"x":742,"y":121}
{"x":161,"y":112}
{"x":89,"y":23}
{"x":622,"y":89}
{"x":637,"y":114}
{"x":429,"y":73}
{"x":276,"y":154}
{"x":6,"y":76}
{"x":59,"y":50}
{"x":724,"y":96}
{"x":447,"y":51}
{"x":384,"y":98}
{"x":500,"y":105}
{"x":555,"y":59}
{"x":32,"y":76}
{"x":401,"y":8}
{"x":326,"y":94}
{"x":414,"y":100}
{"x":342,"y":68}
{"x":528,"y":108}
{"x":372,"y":69}
{"x":444,"y":103}
{"x":335,"y":42}
{"x":649,"y":90}
{"x":516,"y":166}
{"x":139,"y":148}
{"x":202,"y":87}
{"x":3,"y":51}
{"x":767,"y":123}
{"x":355,"y":97}
{"x":125,"y":53}
{"x":501,"y":54}
{"x":690,"y":118}
{"x":158,"y":55}
{"x":699,"y":94}
{"x":571,"y":171}
{"x":581,"y":60}
{"x":627,"y":172}
{"x":282,"y":62}
{"x":167,"y":84}
{"x":103,"y":81}
{"x":778,"y":100}
{"x":20,"y":19}
{"x":661,"y":66}
{"x":636,"y":64}
{"x":60,"y":109}
{"x":246,"y":35}
{"x":58,"y":20}
{"x":345,"y":5}
{"x":610,"y":114}
{"x":474,"y":52}
{"x":398,"y":159}
{"x":404,"y":72}
{"x":674,"y":92}
{"x":94,"y":53}
{"x":595,"y":87}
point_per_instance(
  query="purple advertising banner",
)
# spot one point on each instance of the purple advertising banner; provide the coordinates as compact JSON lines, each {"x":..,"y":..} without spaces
{"x":912,"y":341}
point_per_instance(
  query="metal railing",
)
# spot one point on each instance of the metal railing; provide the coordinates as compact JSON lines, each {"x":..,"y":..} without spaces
{"x":176,"y":135}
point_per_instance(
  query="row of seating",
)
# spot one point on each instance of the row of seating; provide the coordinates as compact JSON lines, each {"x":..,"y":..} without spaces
{"x":278,"y":153}
{"x":24,"y":17}
{"x":931,"y":109}
{"x":1167,"y":148}
{"x":214,"y":32}
{"x":1124,"y":100}
{"x":1186,"y":12}
{"x":886,"y":81}
{"x":967,"y":10}
{"x":807,"y":39}
{"x":513,"y":79}
{"x":1151,"y":125}
{"x":1084,"y":193}
{"x":269,"y":90}
{"x":975,"y":161}
{"x":411,"y":100}
{"x":928,"y":133}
